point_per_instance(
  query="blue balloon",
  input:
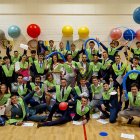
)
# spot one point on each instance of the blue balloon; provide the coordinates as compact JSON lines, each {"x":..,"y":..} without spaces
{"x":136,"y":15}
{"x":14,"y":31}
{"x":129,"y":34}
{"x":125,"y":78}
{"x":51,"y":54}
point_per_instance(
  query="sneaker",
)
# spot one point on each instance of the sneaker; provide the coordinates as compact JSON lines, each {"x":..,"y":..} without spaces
{"x":103,"y":117}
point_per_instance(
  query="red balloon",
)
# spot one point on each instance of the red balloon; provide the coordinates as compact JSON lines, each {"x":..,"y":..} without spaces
{"x":138,"y":34}
{"x":115,"y":34}
{"x":33,"y":30}
{"x":63,"y":106}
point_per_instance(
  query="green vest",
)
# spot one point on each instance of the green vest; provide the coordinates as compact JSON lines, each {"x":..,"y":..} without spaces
{"x":21,"y":102}
{"x":74,"y":53}
{"x":133,"y":76}
{"x":79,"y":110}
{"x":38,"y":68}
{"x":119,"y":72}
{"x":66,"y":94}
{"x":95,"y":68}
{"x":62,"y":52}
{"x":8,"y":73}
{"x":15,"y":59}
{"x":96,"y":90}
{"x":57,"y":68}
{"x":33,"y":88}
{"x":24,"y":65}
{"x":137,"y":51}
{"x":31,"y":60}
{"x":105,"y":65}
{"x":78,"y":91}
{"x":50,"y":84}
{"x":106,"y":95}
{"x":90,"y":55}
{"x":112,"y":51}
{"x":22,"y":92}
{"x":131,"y":99}
{"x":68,"y":68}
{"x":4,"y":99}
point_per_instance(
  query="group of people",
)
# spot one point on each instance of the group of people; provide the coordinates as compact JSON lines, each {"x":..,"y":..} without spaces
{"x":88,"y":80}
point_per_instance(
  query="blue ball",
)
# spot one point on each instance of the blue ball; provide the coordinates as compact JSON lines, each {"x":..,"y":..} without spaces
{"x":129,"y":34}
{"x":136,"y":15}
{"x":14,"y":31}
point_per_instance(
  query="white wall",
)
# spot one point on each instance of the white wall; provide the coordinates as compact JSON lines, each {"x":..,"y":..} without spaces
{"x":99,"y":15}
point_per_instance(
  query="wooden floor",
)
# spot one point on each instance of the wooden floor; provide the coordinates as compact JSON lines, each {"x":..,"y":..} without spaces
{"x":70,"y":132}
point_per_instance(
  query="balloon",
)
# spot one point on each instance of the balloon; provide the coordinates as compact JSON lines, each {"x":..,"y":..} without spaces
{"x":67,"y":31}
{"x":63,"y":106}
{"x":136,"y":15}
{"x":14,"y":31}
{"x":62,"y":56}
{"x":33,"y":30}
{"x":83,"y":32}
{"x":129,"y":34}
{"x":125,"y":78}
{"x":138,"y":34}
{"x":115,"y":34}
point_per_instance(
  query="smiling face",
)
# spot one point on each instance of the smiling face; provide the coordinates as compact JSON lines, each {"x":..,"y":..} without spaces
{"x":134,"y":90}
{"x":106,"y":87}
{"x":3,"y":89}
{"x":14,"y":99}
{"x":83,"y":82}
{"x":63,"y":83}
{"x":72,"y":47}
{"x":84,"y":101}
{"x":91,"y":44}
{"x":54,"y":58}
{"x":117,"y":59}
{"x":84,"y":58}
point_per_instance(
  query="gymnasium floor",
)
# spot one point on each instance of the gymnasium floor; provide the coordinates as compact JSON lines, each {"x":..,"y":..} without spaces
{"x":70,"y":131}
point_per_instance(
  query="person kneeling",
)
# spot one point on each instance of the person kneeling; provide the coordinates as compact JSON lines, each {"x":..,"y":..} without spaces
{"x":81,"y":111}
{"x":134,"y":105}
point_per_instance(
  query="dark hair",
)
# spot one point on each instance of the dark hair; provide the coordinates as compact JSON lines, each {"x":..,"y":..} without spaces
{"x":53,"y":61}
{"x":137,"y":42}
{"x":91,"y":42}
{"x":41,"y":54}
{"x":20,"y":75}
{"x":136,"y":57}
{"x":72,"y":44}
{"x":33,"y":51}
{"x":134,"y":85}
{"x":105,"y":83}
{"x":5,"y":57}
{"x":15,"y":51}
{"x":14,"y":94}
{"x":48,"y":74}
{"x":117,"y":55}
{"x":63,"y":79}
{"x":94,"y":77}
{"x":37,"y":76}
{"x":51,"y":41}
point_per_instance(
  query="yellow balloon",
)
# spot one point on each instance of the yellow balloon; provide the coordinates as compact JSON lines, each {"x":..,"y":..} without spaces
{"x":83,"y":32}
{"x":67,"y":31}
